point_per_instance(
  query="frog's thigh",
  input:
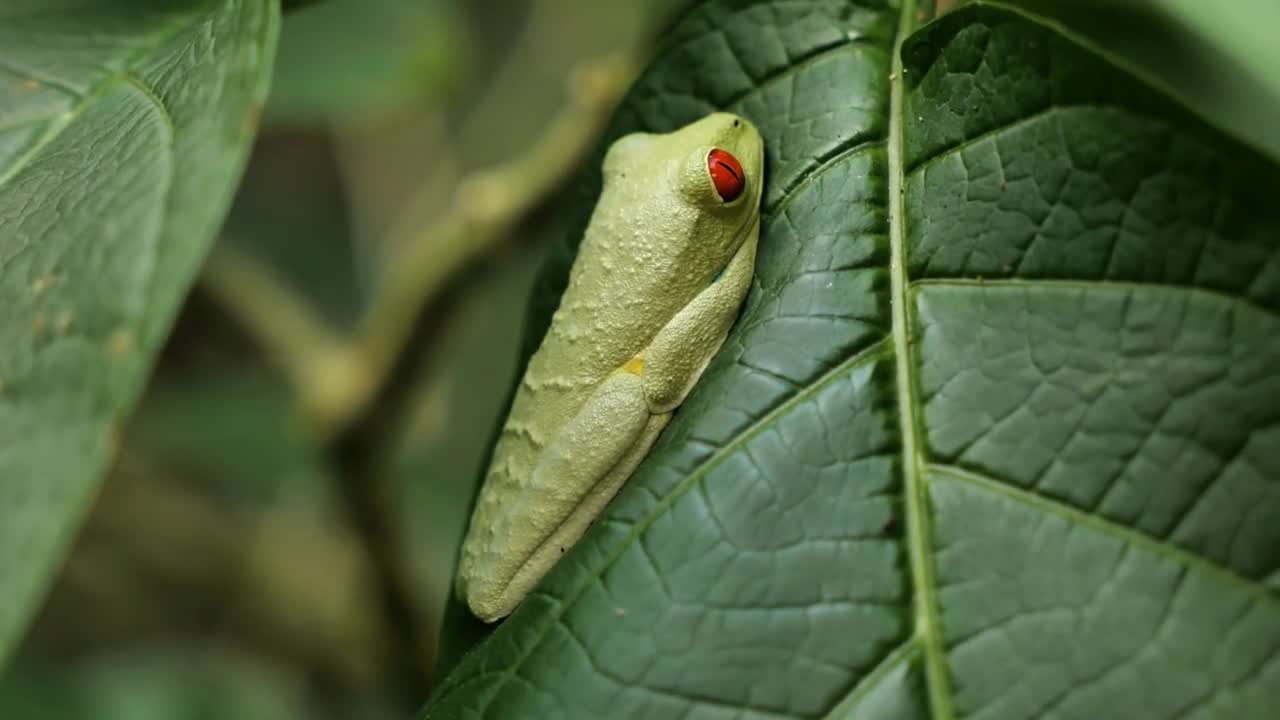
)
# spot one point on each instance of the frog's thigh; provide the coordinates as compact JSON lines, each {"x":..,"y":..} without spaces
{"x":600,"y":495}
{"x":589,"y":460}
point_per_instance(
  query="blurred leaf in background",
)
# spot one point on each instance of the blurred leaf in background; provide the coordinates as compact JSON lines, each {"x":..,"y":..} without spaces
{"x":293,"y":216}
{"x":274,"y":458}
{"x":123,"y":130}
{"x":344,"y":61}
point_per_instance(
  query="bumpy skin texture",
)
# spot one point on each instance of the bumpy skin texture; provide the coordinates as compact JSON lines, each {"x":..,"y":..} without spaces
{"x":663,"y":268}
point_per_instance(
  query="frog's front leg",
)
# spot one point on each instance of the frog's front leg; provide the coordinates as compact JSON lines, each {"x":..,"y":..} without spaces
{"x":679,"y":353}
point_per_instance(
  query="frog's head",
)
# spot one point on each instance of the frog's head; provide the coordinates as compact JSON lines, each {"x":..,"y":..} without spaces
{"x":704,"y":179}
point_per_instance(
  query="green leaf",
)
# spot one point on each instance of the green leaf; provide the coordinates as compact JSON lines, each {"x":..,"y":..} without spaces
{"x":996,"y":434}
{"x":346,"y":60}
{"x":123,"y":128}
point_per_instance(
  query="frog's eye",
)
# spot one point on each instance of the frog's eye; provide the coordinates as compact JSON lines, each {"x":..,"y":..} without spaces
{"x":726,"y":174}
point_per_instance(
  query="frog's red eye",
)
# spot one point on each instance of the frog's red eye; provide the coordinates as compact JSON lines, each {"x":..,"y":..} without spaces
{"x":726,"y":174}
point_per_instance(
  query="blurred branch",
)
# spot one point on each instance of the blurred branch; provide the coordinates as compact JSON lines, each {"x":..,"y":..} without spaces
{"x":487,"y":205}
{"x":358,"y":395}
{"x":292,"y":336}
{"x":383,"y":174}
{"x":338,"y":380}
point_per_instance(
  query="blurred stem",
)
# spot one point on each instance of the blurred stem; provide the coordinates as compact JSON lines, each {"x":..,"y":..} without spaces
{"x":381,"y":166}
{"x":336,"y":379}
{"x":487,"y":205}
{"x":292,"y":336}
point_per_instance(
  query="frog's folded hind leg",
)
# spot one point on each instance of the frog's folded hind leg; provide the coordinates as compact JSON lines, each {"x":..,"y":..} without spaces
{"x":594,"y":453}
{"x":682,"y":349}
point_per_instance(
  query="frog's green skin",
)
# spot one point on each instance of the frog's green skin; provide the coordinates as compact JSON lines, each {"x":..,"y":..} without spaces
{"x":663,"y":268}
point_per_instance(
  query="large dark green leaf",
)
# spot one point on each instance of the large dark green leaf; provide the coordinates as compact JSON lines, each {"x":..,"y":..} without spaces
{"x":123,"y":127}
{"x":996,"y":434}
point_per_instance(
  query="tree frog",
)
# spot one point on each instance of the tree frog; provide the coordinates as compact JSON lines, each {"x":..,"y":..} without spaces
{"x":662,"y":270}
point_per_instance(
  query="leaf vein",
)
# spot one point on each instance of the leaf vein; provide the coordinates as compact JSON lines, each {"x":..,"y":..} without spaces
{"x":96,"y":92}
{"x":1128,"y":286}
{"x":796,"y":65}
{"x":1253,"y":588}
{"x":899,"y":655}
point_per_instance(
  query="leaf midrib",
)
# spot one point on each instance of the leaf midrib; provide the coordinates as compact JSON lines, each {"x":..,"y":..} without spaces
{"x":927,"y":624}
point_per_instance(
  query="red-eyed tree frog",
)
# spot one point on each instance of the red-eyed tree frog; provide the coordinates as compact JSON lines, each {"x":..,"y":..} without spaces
{"x":663,"y":268}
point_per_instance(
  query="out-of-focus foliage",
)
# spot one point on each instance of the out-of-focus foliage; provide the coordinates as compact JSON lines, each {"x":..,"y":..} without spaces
{"x":175,"y":686}
{"x":347,"y":60}
{"x":123,"y":129}
{"x":294,"y":215}
{"x":274,"y":458}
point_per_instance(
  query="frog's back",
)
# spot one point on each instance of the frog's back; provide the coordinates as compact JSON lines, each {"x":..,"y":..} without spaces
{"x":657,"y":238}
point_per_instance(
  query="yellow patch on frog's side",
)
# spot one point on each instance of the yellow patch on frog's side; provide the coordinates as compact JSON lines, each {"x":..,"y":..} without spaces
{"x":635,"y":366}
